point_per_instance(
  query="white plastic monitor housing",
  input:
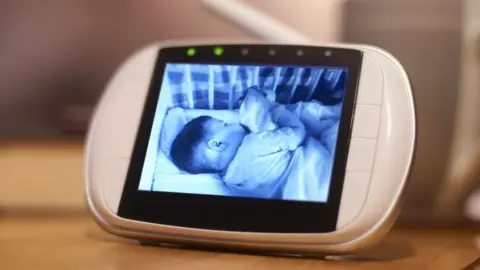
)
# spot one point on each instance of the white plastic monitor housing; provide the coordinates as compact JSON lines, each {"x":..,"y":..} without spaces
{"x":381,"y":151}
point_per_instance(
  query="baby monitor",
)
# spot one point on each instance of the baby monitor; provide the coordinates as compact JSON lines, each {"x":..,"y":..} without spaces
{"x":279,"y":148}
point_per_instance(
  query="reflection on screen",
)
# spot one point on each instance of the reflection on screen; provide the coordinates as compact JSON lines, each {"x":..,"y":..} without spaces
{"x":247,"y":131}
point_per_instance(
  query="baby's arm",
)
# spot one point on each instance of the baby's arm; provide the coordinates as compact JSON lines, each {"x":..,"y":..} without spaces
{"x":290,"y":123}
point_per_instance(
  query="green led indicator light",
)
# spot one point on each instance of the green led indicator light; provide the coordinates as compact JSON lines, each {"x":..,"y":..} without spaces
{"x":191,"y":52}
{"x":218,"y":51}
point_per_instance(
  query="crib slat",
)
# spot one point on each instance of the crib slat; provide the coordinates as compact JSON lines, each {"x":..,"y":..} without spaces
{"x":189,"y":86}
{"x":317,"y":76}
{"x":297,"y":76}
{"x":277,"y":71}
{"x":250,"y":75}
{"x":233,"y":82}
{"x":211,"y":87}
{"x":166,"y":91}
{"x":256,"y":75}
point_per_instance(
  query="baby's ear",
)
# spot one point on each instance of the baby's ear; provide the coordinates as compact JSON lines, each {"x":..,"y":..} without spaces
{"x":216,"y":145}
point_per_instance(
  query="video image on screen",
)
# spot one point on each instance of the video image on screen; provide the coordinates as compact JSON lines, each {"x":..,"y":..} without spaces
{"x":245,"y":131}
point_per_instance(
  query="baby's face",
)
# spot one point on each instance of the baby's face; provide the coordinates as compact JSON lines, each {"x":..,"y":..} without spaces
{"x":222,"y":141}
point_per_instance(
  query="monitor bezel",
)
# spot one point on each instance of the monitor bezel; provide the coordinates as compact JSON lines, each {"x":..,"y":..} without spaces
{"x":234,"y":213}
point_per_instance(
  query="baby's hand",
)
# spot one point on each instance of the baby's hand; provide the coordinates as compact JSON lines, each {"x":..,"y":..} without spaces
{"x":291,"y":125}
{"x":293,"y":139}
{"x":255,"y":112}
{"x":270,"y":95}
{"x":251,"y":89}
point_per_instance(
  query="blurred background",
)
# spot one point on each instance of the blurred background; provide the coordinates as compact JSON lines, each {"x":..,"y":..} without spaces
{"x":57,"y":56}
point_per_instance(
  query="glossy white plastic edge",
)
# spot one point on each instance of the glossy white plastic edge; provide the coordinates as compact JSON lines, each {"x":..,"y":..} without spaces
{"x":396,"y":135}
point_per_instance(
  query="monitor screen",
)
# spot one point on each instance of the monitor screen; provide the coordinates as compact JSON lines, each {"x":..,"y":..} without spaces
{"x":251,"y":131}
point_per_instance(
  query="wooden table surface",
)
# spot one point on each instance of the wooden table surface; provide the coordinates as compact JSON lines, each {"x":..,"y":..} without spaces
{"x":77,"y":243}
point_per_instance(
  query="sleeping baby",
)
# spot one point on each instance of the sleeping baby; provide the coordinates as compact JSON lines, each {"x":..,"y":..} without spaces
{"x":267,"y":155}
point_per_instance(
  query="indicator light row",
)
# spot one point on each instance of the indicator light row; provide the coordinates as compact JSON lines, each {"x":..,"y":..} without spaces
{"x":219,"y":50}
{"x":216,"y":50}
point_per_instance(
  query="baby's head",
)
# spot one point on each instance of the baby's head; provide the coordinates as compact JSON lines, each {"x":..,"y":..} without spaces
{"x":206,"y":145}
